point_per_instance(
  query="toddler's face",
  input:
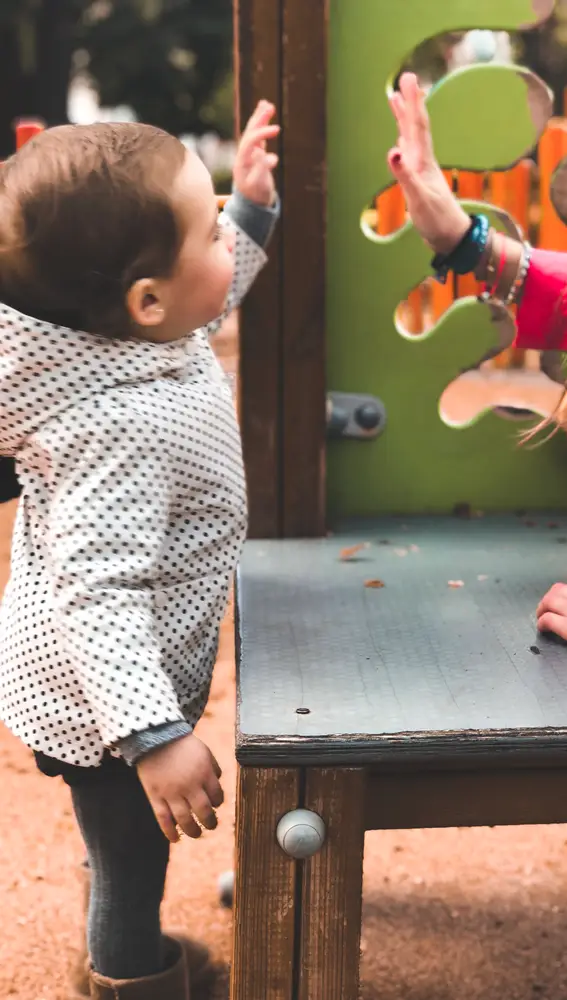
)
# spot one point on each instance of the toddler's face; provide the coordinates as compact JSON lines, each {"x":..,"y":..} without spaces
{"x":166,"y":309}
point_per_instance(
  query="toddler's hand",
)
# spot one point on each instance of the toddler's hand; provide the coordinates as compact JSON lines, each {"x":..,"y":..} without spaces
{"x":435,"y":213}
{"x":552,"y":611}
{"x":253,"y":165}
{"x":181,"y":781}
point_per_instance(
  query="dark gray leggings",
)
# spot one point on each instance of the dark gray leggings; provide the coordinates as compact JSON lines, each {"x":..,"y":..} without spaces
{"x":128,"y":856}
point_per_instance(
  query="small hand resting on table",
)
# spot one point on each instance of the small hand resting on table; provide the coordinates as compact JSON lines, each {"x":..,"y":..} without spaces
{"x":551,"y":613}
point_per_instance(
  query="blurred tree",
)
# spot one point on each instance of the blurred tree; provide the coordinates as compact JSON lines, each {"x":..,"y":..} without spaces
{"x":544,"y":50}
{"x":169,"y":59}
{"x":34,"y":77}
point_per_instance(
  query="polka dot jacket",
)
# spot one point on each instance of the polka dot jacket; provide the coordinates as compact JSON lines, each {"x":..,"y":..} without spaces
{"x":130,"y":525}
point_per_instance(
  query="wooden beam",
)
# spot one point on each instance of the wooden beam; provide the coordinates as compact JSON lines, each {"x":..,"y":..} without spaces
{"x":257,"y":32}
{"x":329,"y":956}
{"x":304,"y":96}
{"x":265,"y":899}
{"x":486,"y":797}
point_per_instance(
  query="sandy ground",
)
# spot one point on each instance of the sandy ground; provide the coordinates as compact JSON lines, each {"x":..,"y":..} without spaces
{"x":448,"y":915}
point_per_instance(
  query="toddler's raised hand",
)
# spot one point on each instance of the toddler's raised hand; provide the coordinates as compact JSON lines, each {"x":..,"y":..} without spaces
{"x":254,"y":165}
{"x":181,"y":781}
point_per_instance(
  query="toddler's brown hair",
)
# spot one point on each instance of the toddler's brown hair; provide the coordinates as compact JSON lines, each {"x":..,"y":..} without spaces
{"x":85,"y":211}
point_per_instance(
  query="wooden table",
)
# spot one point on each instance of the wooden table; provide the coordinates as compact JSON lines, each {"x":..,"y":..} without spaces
{"x":417,"y":704}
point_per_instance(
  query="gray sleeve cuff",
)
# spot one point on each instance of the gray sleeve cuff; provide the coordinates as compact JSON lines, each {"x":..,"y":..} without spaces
{"x":257,"y":221}
{"x":137,"y":745}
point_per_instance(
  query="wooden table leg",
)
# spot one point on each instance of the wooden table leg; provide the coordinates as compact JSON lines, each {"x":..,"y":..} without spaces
{"x":332,"y":888}
{"x":265,"y":897}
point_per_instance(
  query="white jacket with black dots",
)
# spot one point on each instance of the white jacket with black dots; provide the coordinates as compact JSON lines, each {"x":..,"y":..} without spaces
{"x":130,"y":525}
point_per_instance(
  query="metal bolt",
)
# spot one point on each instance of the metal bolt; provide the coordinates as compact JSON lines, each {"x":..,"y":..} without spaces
{"x":368,"y":416}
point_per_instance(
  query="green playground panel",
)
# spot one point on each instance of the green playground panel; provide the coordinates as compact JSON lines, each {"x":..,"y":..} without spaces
{"x":480,"y":121}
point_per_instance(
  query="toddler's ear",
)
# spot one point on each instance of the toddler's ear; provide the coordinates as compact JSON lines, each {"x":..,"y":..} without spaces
{"x":144,"y":302}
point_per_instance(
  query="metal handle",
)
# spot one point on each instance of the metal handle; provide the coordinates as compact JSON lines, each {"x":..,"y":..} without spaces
{"x":301,"y":833}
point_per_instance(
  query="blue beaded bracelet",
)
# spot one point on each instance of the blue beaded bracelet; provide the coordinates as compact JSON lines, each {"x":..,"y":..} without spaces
{"x":466,"y":255}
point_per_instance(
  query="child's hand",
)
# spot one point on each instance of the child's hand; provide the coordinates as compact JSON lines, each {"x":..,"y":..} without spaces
{"x":253,"y":165}
{"x":435,"y":213}
{"x":181,"y":781}
{"x":552,"y":611}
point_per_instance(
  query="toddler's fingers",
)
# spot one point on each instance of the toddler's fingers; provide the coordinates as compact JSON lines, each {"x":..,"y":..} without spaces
{"x":203,"y":810}
{"x":551,"y":622}
{"x":215,"y":765}
{"x":259,"y":169}
{"x":166,"y":821}
{"x":262,"y":113}
{"x":185,"y":819}
{"x":256,"y":137}
{"x":214,"y":790}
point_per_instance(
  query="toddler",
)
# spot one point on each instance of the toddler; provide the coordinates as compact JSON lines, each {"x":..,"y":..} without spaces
{"x":114,"y":268}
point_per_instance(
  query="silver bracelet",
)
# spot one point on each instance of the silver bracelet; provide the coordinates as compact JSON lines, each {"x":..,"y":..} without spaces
{"x":521,"y":275}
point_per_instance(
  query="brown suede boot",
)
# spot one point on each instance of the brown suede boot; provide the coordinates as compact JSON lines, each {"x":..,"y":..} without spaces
{"x":203,"y":974}
{"x":172,"y":984}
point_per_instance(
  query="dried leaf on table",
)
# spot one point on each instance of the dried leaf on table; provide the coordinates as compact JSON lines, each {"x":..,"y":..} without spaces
{"x":349,"y":553}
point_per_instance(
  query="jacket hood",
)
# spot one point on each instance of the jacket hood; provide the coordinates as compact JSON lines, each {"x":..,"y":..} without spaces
{"x":45,"y":369}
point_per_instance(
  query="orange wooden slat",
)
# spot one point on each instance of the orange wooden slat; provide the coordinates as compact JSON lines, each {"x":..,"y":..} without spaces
{"x":26,"y":130}
{"x":391,"y":211}
{"x":510,"y":190}
{"x":413,"y":311}
{"x":552,"y":149}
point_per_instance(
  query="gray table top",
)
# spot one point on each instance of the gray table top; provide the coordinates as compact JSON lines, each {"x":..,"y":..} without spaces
{"x":415,"y":670}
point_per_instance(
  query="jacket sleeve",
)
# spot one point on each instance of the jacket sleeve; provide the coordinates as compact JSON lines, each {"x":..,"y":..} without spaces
{"x":253,"y":225}
{"x":107,"y":524}
{"x":541,"y":319}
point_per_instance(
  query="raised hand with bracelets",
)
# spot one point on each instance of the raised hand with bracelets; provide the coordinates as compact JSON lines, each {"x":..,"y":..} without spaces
{"x":513,"y":272}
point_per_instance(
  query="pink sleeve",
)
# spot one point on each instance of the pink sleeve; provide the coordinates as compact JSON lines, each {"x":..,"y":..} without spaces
{"x":542,"y":314}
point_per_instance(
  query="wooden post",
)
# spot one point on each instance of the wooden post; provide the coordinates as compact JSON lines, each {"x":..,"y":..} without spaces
{"x":329,"y":957}
{"x":281,"y":55}
{"x":551,"y":150}
{"x":258,"y":70}
{"x":265,"y":891}
{"x":304,"y":99}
